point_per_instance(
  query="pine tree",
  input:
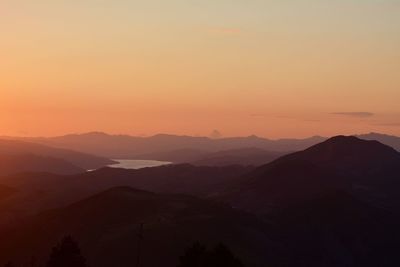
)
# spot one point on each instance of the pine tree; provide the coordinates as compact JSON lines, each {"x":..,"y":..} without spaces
{"x":66,"y":254}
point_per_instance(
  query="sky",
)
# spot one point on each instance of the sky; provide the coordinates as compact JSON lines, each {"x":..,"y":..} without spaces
{"x":282,"y":68}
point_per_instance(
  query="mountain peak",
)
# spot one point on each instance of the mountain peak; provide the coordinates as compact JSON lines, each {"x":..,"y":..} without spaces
{"x":353,"y":144}
{"x":349,"y":153}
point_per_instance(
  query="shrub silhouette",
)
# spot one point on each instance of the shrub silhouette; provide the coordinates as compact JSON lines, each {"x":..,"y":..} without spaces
{"x":222,"y":256}
{"x":198,"y":256}
{"x":195,"y":256}
{"x":66,"y":254}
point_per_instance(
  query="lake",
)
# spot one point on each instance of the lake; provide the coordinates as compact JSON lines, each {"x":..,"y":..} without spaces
{"x":137,"y":164}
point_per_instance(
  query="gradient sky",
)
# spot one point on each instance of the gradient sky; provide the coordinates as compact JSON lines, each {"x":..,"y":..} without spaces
{"x":282,"y":68}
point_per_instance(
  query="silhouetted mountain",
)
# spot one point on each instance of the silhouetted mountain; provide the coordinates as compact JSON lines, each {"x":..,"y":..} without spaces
{"x":390,"y":140}
{"x":366,"y":168}
{"x":244,"y":156}
{"x":82,"y":160}
{"x":107,"y":225}
{"x":329,"y":203}
{"x":347,"y":152}
{"x":125,"y":146}
{"x":12,"y":164}
{"x":282,"y":184}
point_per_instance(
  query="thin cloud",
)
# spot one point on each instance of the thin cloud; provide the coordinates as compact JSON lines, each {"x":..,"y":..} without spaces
{"x":355,"y":114}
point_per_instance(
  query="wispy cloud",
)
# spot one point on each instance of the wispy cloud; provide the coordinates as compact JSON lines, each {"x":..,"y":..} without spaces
{"x":355,"y":114}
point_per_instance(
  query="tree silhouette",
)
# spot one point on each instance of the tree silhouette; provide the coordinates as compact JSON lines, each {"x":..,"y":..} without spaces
{"x":194,"y":256}
{"x":9,"y":264}
{"x":198,"y":256}
{"x":66,"y":254}
{"x":222,"y":256}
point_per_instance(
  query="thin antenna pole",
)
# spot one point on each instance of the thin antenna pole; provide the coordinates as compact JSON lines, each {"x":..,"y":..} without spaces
{"x":140,"y":238}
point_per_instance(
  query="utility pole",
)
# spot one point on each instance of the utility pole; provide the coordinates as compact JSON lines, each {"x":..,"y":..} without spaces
{"x":139,"y":247}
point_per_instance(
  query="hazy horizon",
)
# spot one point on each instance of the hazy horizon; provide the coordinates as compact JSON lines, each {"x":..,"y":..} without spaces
{"x":188,"y":135}
{"x":269,"y":68}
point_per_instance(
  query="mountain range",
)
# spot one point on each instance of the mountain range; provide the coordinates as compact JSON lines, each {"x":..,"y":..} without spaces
{"x":131,"y":147}
{"x":181,"y":149}
{"x":335,"y":203}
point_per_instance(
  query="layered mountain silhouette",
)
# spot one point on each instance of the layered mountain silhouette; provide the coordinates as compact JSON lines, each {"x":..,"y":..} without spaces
{"x":79,"y":159}
{"x":107,"y":225}
{"x":130,"y":147}
{"x":174,"y":148}
{"x":335,"y":203}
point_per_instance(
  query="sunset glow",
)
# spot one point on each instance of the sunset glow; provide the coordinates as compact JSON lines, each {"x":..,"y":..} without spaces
{"x":270,"y":68}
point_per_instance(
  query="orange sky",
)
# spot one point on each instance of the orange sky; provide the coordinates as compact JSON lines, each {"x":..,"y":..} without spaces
{"x":271,"y":68}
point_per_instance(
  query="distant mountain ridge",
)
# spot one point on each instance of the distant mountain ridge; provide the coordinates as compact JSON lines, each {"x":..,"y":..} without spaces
{"x":175,"y":148}
{"x":13,"y":164}
{"x":79,"y":159}
{"x":390,"y":140}
{"x":130,"y":147}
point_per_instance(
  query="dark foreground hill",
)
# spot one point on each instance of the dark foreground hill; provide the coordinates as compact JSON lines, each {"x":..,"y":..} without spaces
{"x":38,"y":191}
{"x":334,"y":230}
{"x":331,"y":230}
{"x":107,"y":227}
{"x":82,"y":160}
